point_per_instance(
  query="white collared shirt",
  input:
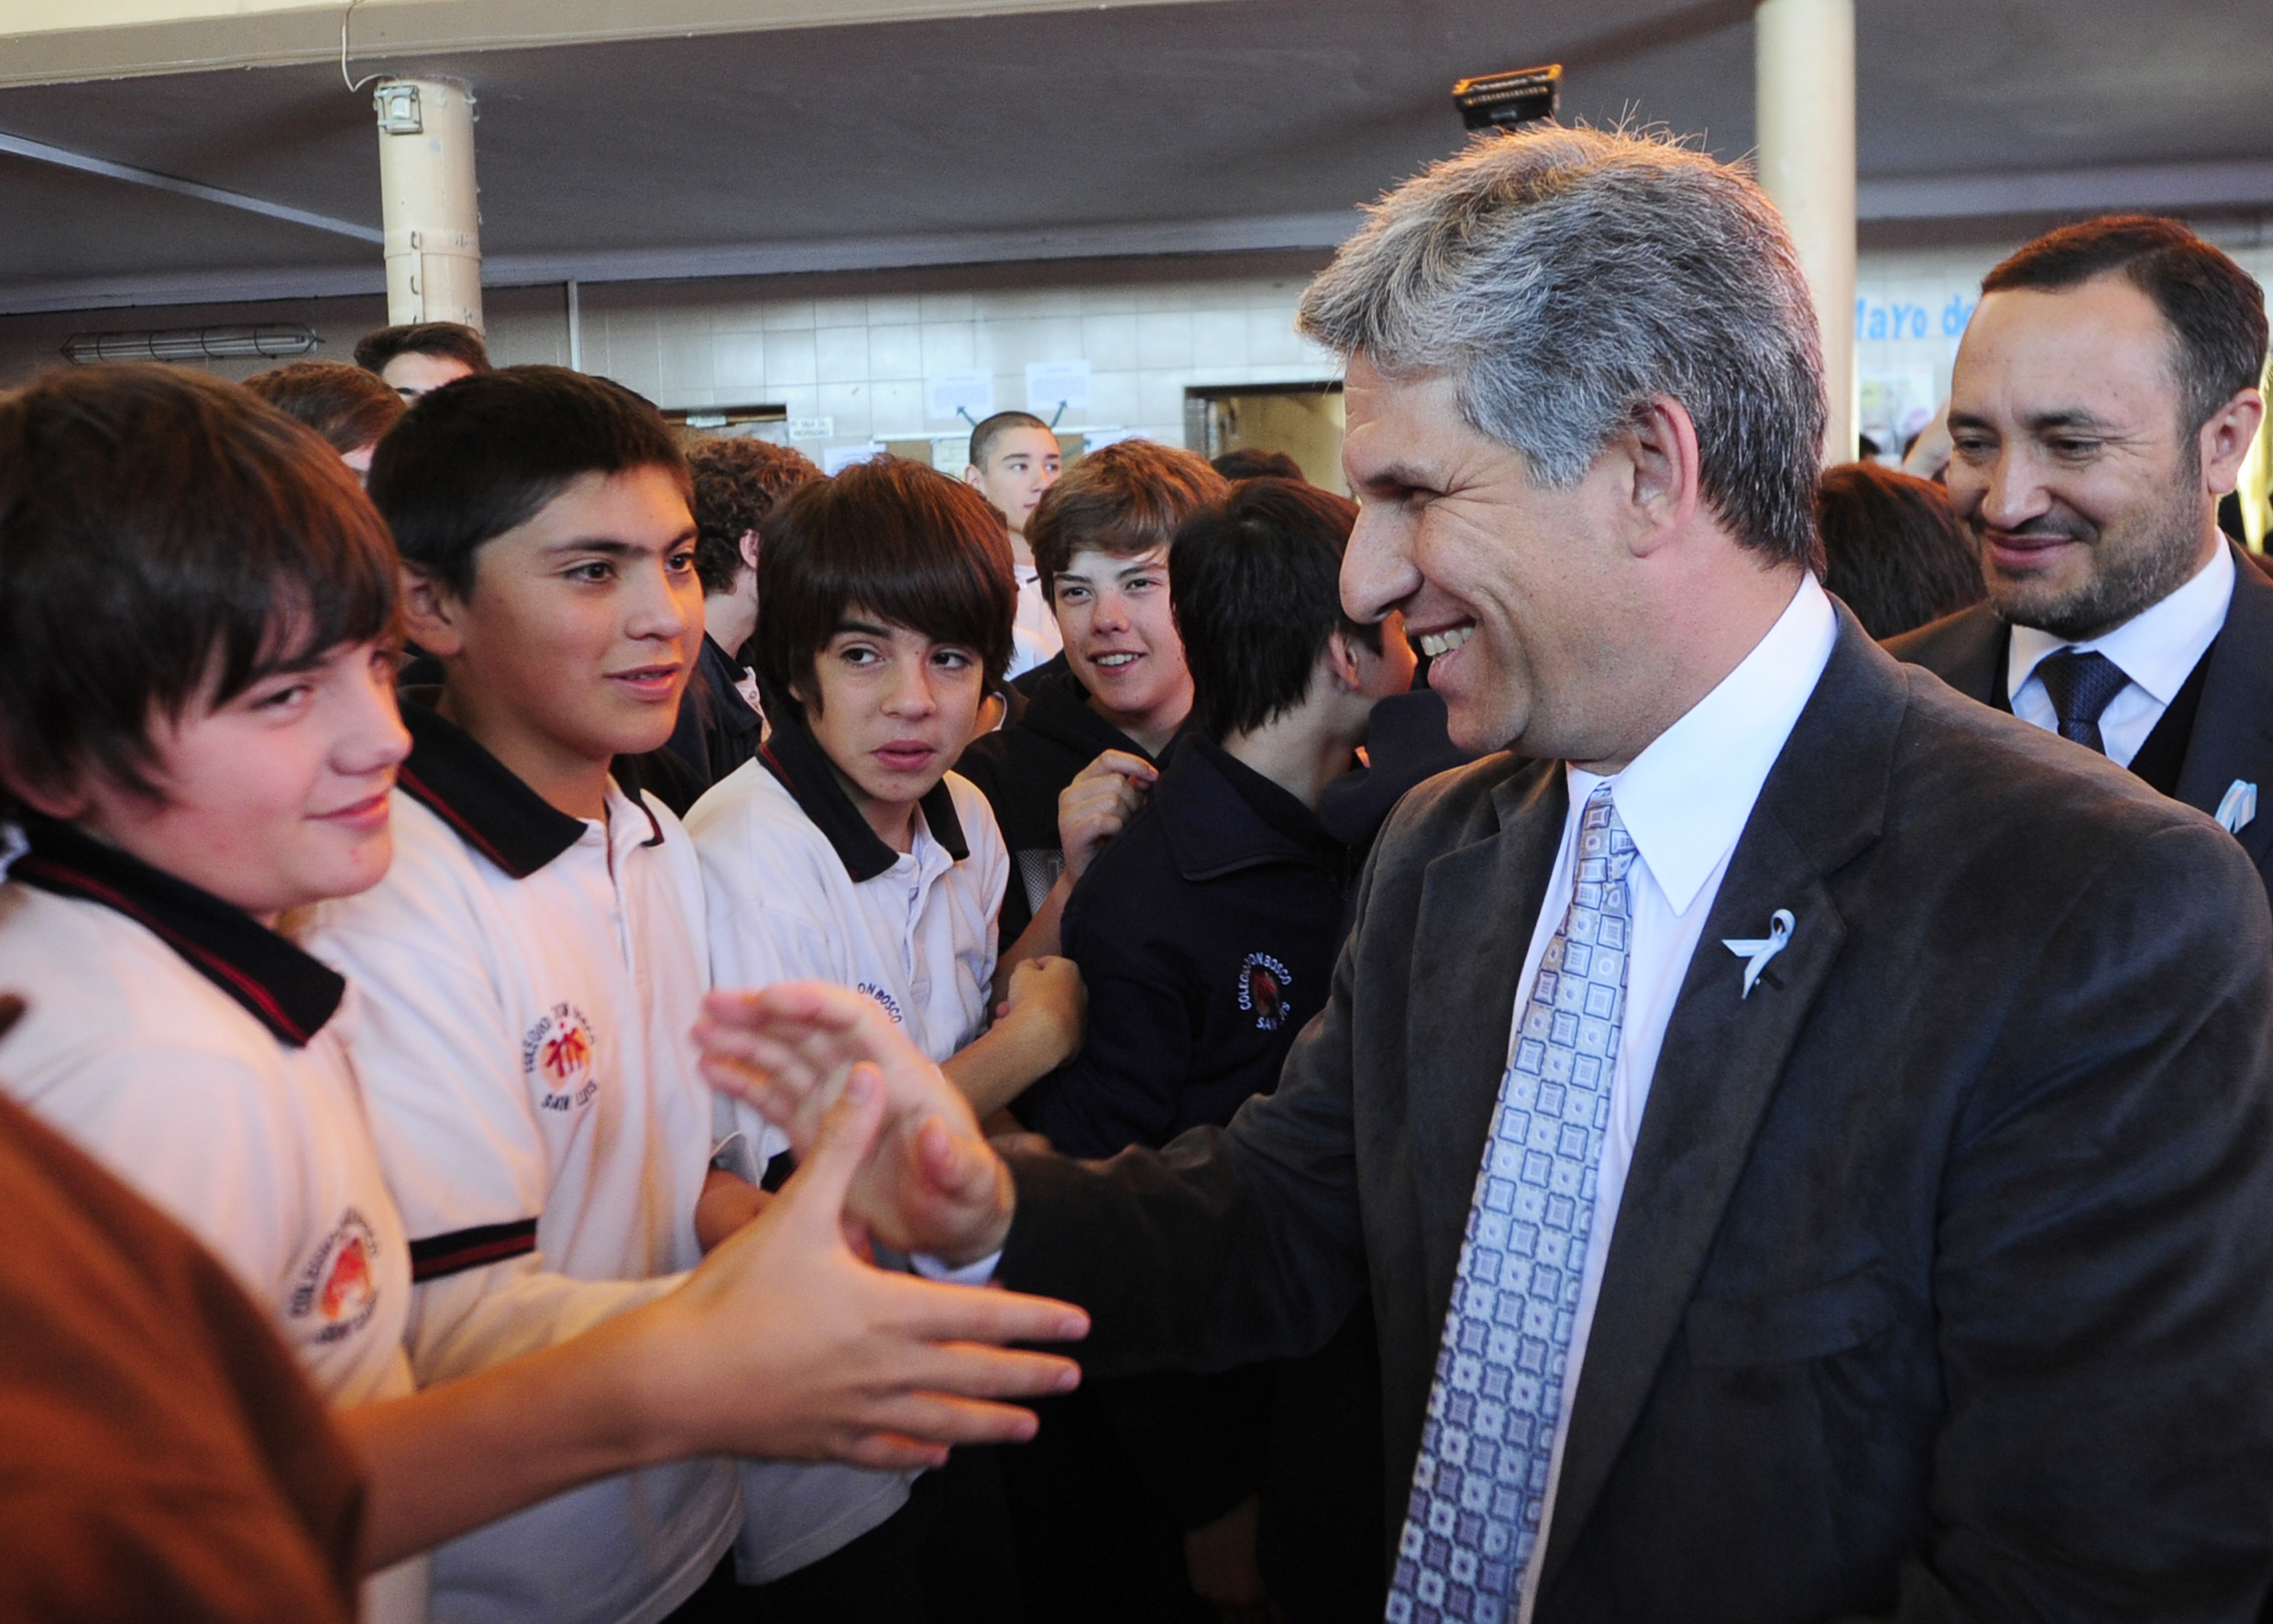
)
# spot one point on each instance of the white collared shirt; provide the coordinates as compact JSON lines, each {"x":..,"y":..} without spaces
{"x":260,"y":1149}
{"x":2157,"y":649}
{"x":1035,"y":639}
{"x":917,"y":938}
{"x":1685,"y":800}
{"x":526,"y":1053}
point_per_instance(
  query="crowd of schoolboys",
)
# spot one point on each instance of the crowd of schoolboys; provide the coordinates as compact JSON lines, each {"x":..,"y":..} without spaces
{"x":371,"y":855}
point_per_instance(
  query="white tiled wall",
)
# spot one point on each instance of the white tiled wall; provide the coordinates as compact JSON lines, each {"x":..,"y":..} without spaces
{"x":862,"y":359}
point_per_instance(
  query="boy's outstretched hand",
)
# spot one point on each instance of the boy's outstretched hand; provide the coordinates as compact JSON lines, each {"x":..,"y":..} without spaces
{"x":932,"y":1184}
{"x":784,"y":1344}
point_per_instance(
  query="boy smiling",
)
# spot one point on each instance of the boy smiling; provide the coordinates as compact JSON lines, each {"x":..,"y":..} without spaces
{"x":533,"y":961}
{"x":197,"y":611}
{"x":1102,"y":711}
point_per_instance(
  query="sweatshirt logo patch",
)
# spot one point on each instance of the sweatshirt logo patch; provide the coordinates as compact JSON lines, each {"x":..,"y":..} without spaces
{"x":556,"y":1058}
{"x":337,"y":1287}
{"x":1263,"y":983}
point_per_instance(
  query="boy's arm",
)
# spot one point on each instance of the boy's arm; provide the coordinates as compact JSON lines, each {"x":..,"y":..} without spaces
{"x":1136,"y":1058}
{"x":479,"y":1317}
{"x":1039,"y":1030}
{"x":780,"y":1345}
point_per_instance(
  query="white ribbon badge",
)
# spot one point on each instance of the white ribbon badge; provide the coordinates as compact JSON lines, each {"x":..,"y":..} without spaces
{"x":1756,"y":953}
{"x":2239,"y":809}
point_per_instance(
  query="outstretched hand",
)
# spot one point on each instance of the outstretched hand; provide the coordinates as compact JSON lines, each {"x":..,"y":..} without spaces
{"x":784,"y":1344}
{"x":932,"y":1183}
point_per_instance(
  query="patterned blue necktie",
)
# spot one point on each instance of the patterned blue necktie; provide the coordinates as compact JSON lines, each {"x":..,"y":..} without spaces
{"x":2079,"y":686}
{"x":1481,"y":1481}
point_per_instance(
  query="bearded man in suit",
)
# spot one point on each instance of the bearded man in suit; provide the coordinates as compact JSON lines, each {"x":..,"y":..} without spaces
{"x":1807,"y":1136}
{"x":2105,"y":393}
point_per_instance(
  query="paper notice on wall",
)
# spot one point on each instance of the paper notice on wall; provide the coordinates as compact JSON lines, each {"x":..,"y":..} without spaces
{"x":960,"y":394}
{"x":1098,"y":439}
{"x":835,"y":459}
{"x":1055,"y":386}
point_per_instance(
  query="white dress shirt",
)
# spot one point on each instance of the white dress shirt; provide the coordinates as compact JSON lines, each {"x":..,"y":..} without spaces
{"x":1035,"y":639}
{"x":2157,"y":649}
{"x":1685,"y":800}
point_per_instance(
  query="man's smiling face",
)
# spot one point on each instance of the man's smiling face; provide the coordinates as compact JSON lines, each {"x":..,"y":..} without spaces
{"x":2071,"y":462}
{"x":1504,"y":582}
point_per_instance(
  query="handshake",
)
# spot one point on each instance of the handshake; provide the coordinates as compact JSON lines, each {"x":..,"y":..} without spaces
{"x":815,"y":1353}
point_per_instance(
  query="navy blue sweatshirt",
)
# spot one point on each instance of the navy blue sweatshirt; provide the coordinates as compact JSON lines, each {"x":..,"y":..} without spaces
{"x":1206,"y":933}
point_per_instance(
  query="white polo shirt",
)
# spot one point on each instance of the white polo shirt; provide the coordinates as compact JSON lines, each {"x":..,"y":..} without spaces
{"x":799,"y":888}
{"x":203,"y":1058}
{"x":530,"y":980}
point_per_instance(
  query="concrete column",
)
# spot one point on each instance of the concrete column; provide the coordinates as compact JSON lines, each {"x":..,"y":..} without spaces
{"x":429,"y":207}
{"x":1804,"y":79}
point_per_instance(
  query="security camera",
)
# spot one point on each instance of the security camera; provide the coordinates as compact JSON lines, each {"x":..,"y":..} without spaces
{"x":1503,"y":100}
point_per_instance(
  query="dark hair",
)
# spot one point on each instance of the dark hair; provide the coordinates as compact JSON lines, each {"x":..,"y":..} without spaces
{"x":983,"y":437}
{"x":1121,"y":499}
{"x":737,"y":482}
{"x":1251,"y":462}
{"x":2214,"y":306}
{"x":349,"y":407}
{"x":468,"y":463}
{"x":453,"y":341}
{"x":1255,"y":582}
{"x":165,"y":538}
{"x":1898,"y":555}
{"x":901,"y":541}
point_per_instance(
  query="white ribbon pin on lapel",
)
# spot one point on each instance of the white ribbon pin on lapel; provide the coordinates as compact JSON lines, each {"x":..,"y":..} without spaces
{"x":1756,"y":953}
{"x":2239,"y":809}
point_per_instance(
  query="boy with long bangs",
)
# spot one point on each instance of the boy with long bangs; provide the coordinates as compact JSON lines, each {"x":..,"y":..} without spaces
{"x":531,"y":965}
{"x":848,"y":851}
{"x":1099,"y":714}
{"x":198,"y":738}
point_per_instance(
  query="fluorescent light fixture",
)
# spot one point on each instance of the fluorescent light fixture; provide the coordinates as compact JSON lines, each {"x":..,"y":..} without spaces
{"x":269,"y":341}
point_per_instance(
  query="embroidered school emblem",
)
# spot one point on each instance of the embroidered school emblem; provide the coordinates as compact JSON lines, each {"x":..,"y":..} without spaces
{"x":556,"y":1058}
{"x":1263,"y":983}
{"x":337,"y":1289}
{"x":885,"y":1001}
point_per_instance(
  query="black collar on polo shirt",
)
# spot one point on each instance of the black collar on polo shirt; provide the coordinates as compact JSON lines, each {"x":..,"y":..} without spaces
{"x":480,"y":797}
{"x":485,"y":801}
{"x":282,"y":988}
{"x":796,"y":758}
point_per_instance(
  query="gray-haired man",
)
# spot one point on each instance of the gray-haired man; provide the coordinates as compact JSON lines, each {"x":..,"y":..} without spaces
{"x":1806,"y":1133}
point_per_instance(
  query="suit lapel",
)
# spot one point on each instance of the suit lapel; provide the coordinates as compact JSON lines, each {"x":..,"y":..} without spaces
{"x":1478,"y":908}
{"x":2232,"y":739}
{"x":1724,"y":1054}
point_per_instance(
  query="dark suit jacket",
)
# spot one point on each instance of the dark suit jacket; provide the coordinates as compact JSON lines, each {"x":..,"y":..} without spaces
{"x":2232,"y":732}
{"x":1942,"y":1286}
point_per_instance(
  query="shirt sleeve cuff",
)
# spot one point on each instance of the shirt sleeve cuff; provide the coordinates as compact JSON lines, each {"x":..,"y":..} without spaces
{"x":970,"y":1274}
{"x":735,"y":1155}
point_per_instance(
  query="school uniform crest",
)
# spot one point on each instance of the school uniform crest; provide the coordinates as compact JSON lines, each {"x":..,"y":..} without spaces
{"x":1263,"y":983}
{"x":556,"y":1058}
{"x":885,"y":1001}
{"x":338,"y":1288}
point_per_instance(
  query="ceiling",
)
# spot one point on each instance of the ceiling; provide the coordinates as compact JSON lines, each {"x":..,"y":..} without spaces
{"x":1242,"y":124}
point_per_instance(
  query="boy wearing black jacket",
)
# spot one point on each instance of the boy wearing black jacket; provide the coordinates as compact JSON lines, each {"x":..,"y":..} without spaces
{"x":1206,"y":932}
{"x":1102,"y":711}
